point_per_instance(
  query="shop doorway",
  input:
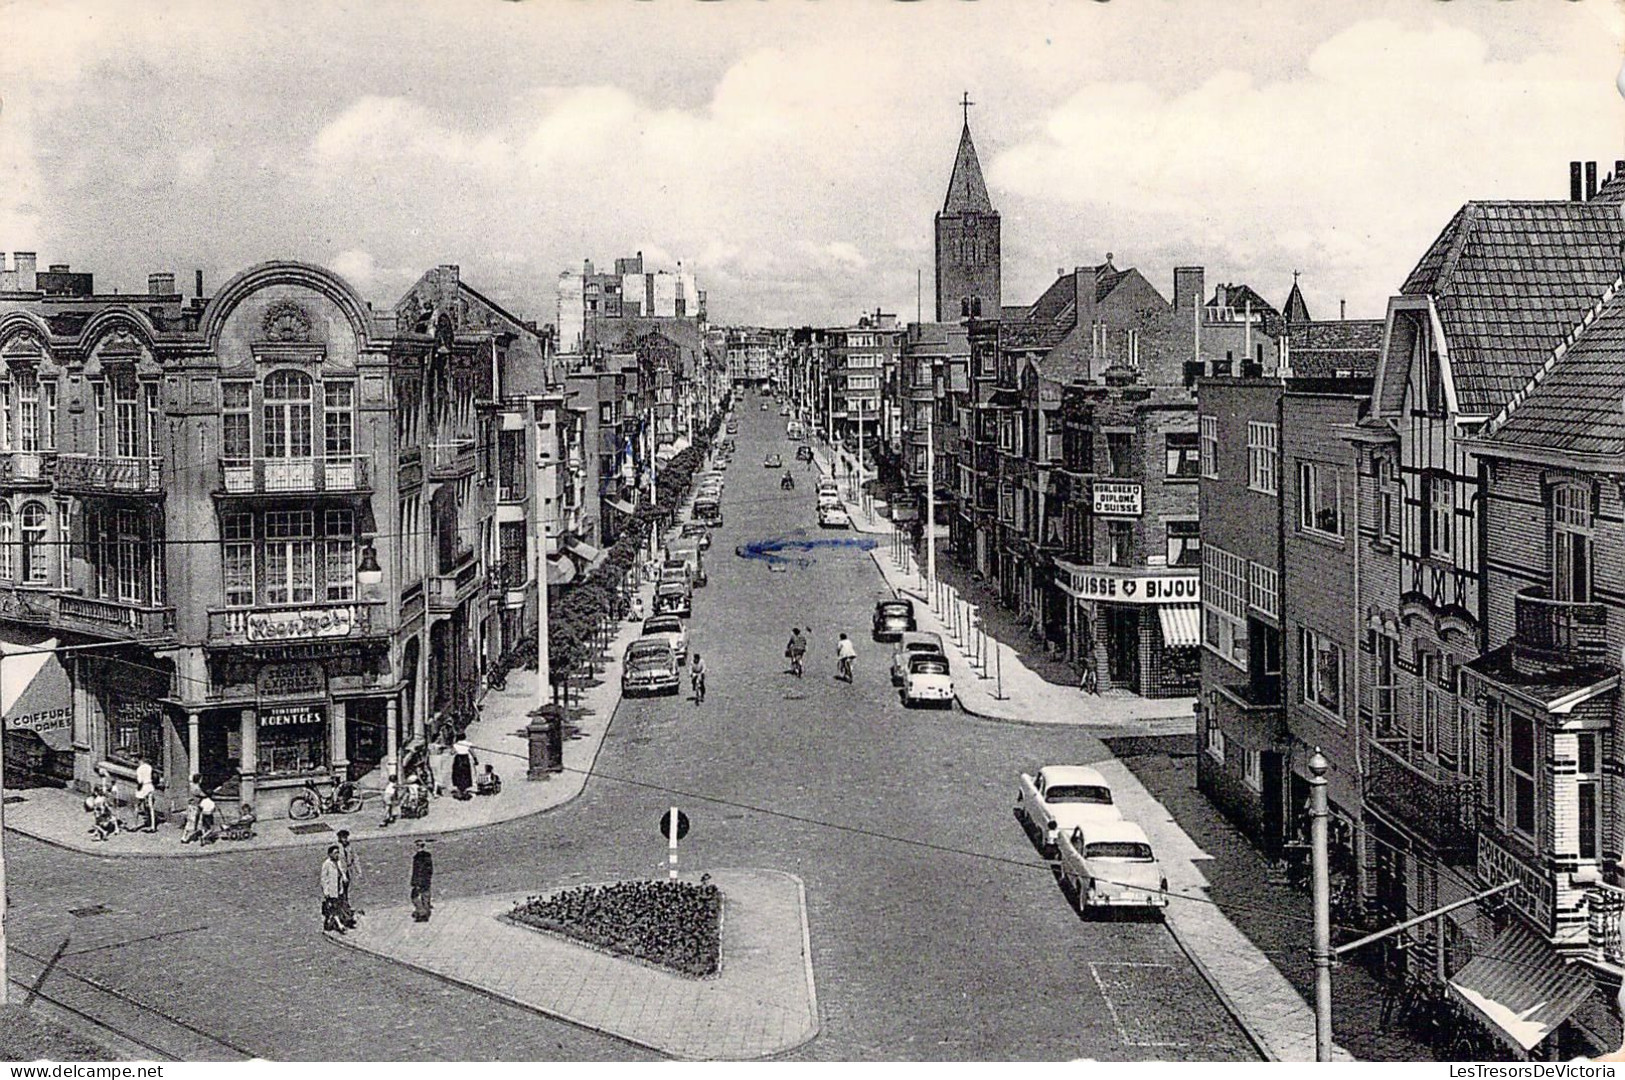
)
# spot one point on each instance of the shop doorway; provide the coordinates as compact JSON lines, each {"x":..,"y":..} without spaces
{"x":366,"y":738}
{"x":219,"y":752}
{"x":1123,"y":646}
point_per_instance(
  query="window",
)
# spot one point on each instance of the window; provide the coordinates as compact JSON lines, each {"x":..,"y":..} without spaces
{"x":1322,"y":671}
{"x":290,"y":557}
{"x":133,"y":567}
{"x":149,"y":396}
{"x":98,"y":422}
{"x":236,"y":435}
{"x":7,"y":540}
{"x":32,"y":521}
{"x":1589,"y":777}
{"x":515,"y":571}
{"x":1519,"y":811}
{"x":27,"y":384}
{"x":1184,"y":543}
{"x":1120,"y":452}
{"x":287,"y":415}
{"x":1388,"y":523}
{"x":1122,"y":542}
{"x":407,"y":395}
{"x":1134,"y":349}
{"x":1224,"y":604}
{"x":1441,"y":513}
{"x":237,"y":559}
{"x":1252,"y":769}
{"x":48,"y":402}
{"x":338,"y":419}
{"x":64,"y":562}
{"x":1183,"y":459}
{"x":1263,"y":466}
{"x":1320,"y":503}
{"x":1215,"y":736}
{"x":1263,"y":589}
{"x":1210,"y":447}
{"x":1571,"y":543}
{"x":338,"y":541}
{"x":1431,"y":385}
{"x":1435,"y":707}
{"x":606,"y":412}
{"x":1385,"y":713}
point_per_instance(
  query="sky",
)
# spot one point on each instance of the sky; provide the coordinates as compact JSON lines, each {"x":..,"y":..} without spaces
{"x":790,"y":154}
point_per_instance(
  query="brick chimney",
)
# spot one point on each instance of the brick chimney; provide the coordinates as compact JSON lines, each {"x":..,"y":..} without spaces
{"x":161,"y":284}
{"x":27,"y":264}
{"x":8,"y":278}
{"x":1576,"y":183}
{"x":1188,"y":286}
{"x":1084,"y":289}
{"x":1591,"y":179}
{"x":200,"y":284}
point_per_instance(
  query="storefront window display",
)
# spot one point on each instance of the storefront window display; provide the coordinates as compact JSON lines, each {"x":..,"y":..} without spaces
{"x":293,"y":740}
{"x":136,"y":732}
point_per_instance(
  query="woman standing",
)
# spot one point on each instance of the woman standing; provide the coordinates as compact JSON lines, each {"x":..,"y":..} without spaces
{"x":462,"y":768}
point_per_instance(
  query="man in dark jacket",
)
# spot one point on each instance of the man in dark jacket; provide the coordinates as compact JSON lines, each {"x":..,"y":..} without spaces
{"x":422,"y":879}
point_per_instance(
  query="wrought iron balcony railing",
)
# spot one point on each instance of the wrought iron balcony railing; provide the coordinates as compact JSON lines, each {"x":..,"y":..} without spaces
{"x":95,"y":474}
{"x":1440,"y":807}
{"x":295,"y":476}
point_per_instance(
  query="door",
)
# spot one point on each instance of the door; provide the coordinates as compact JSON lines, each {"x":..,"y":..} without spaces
{"x":1123,"y":646}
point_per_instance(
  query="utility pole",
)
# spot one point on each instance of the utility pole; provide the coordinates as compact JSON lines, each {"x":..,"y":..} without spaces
{"x":544,"y":680}
{"x":931,"y":498}
{"x":1322,"y":906}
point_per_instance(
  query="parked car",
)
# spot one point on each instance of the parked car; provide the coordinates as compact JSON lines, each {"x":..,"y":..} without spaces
{"x":674,"y":598}
{"x":928,"y":680}
{"x":708,"y":510}
{"x":784,"y":410}
{"x":834,"y":517}
{"x":669,"y":627}
{"x":1110,"y":864}
{"x":772,"y":461}
{"x":1061,"y":797}
{"x":804,"y":453}
{"x":694,"y":530}
{"x":650,"y":668}
{"x":913,"y":643}
{"x":892,"y":619}
{"x":689,"y":554}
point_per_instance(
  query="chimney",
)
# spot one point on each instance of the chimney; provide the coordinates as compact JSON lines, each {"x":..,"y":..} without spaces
{"x":26,"y":266}
{"x":1576,"y":185}
{"x":1619,"y":167}
{"x":161,"y":284}
{"x":200,"y":284}
{"x":1591,"y":179}
{"x":1188,"y":286}
{"x":58,"y":268}
{"x":8,"y":278}
{"x":1221,"y":296}
{"x":1342,"y":309}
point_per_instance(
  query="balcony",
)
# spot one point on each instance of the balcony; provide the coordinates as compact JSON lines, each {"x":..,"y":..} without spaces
{"x":302,"y":623}
{"x":449,"y":591}
{"x":1606,"y":907}
{"x":1441,"y":809}
{"x":24,"y":470}
{"x":94,"y":474}
{"x":295,"y":476}
{"x":1557,"y":633}
{"x":114,"y":619}
{"x":452,"y":460}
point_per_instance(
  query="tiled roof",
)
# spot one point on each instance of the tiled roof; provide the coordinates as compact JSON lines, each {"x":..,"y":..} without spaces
{"x":1577,"y":401}
{"x":967,"y":191}
{"x":1014,"y":311}
{"x":1239,"y":297}
{"x":1342,"y":346}
{"x":1510,"y":279}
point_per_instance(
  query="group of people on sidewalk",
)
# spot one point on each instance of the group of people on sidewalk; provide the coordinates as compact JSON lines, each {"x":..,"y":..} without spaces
{"x":340,"y":871}
{"x":200,"y":822}
{"x":409,"y":797}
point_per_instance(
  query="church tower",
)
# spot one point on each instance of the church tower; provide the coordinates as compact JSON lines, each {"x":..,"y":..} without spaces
{"x":967,"y":239}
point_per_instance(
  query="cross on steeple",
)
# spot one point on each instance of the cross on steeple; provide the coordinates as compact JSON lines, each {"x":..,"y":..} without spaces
{"x":1294,"y":277}
{"x":965,"y":103}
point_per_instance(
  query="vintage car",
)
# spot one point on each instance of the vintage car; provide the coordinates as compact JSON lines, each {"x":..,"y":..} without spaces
{"x":829,"y":494}
{"x":689,"y":554}
{"x":708,"y":510}
{"x":674,"y":598}
{"x":772,"y":461}
{"x":928,"y":681}
{"x":695,"y":530}
{"x":650,"y":668}
{"x":804,"y":453}
{"x":834,"y":517}
{"x":1062,"y":797}
{"x":1110,"y":864}
{"x":913,"y":643}
{"x":892,"y":619}
{"x":671,"y":628}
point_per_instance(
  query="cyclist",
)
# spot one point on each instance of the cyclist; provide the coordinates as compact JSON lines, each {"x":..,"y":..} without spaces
{"x":845,"y":653}
{"x":788,"y":483}
{"x":696,"y":678}
{"x":795,"y":650}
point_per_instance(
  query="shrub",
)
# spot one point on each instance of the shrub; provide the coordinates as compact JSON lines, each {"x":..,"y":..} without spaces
{"x":675,"y":924}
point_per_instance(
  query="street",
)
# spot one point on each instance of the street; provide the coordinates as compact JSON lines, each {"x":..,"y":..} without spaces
{"x":936,"y":930}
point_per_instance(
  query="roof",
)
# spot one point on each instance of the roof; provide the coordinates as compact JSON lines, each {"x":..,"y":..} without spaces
{"x":1240,"y":297}
{"x":1328,"y":349}
{"x":1296,"y":311}
{"x":967,"y":191}
{"x":1509,"y":281}
{"x":1576,"y":402}
{"x":1074,"y":774}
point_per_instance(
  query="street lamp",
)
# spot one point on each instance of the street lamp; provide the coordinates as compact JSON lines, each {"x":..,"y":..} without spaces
{"x":369,"y":573}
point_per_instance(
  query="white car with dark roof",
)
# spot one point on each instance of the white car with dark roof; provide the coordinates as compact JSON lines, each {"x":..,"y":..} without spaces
{"x":1059,"y":798}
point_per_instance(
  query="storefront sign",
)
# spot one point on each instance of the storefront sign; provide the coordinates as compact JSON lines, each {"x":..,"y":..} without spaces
{"x":291,"y":716}
{"x":136,"y":710}
{"x":1117,"y":498}
{"x":1127,"y":587}
{"x":307,"y":623}
{"x":49,"y":720}
{"x":291,"y":680}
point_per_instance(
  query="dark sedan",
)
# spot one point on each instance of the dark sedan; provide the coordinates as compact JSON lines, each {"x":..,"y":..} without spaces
{"x":893,"y":619}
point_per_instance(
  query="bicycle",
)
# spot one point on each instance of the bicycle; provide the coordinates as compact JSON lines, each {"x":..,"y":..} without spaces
{"x":843,"y":668}
{"x":697,"y":681}
{"x":312,"y":802}
{"x":795,"y":664}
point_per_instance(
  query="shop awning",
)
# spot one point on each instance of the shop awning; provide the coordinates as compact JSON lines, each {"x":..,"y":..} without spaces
{"x":621,"y":505}
{"x":560,"y":571}
{"x":590,"y":556}
{"x":1181,"y":625}
{"x":1522,"y":986}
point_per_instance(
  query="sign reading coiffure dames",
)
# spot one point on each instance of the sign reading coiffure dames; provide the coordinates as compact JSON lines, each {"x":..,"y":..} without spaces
{"x":1117,"y":498}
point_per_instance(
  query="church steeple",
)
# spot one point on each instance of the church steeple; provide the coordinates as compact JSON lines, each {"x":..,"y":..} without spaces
{"x":967,"y":237}
{"x":1296,"y":311}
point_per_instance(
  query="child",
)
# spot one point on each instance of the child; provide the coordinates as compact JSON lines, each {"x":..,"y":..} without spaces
{"x":106,"y":821}
{"x":392,"y":800}
{"x":488,"y":782}
{"x":191,"y":827}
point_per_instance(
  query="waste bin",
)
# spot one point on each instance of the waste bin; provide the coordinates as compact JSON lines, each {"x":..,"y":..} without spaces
{"x":546,"y":735}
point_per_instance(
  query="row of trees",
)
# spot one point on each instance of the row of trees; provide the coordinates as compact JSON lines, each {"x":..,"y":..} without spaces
{"x":582,"y":615}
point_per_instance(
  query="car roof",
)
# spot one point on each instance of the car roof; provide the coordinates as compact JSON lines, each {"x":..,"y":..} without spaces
{"x":658,"y":620}
{"x":897,"y":601}
{"x":1095,"y":832}
{"x":1073,"y":774}
{"x":650,"y":644}
{"x":919,"y":637}
{"x":927,"y":658}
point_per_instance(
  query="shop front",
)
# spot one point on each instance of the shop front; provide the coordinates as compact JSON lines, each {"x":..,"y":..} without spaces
{"x":1140,"y":624}
{"x":37,"y":703}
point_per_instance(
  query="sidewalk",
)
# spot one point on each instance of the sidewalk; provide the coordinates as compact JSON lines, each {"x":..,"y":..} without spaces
{"x":57,"y":816}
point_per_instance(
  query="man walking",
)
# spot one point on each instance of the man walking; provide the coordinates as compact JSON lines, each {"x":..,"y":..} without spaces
{"x":352,"y":869}
{"x":333,"y":886}
{"x":422,"y":880}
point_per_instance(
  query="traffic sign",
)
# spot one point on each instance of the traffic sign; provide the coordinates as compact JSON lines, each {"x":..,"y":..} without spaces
{"x":682,"y":823}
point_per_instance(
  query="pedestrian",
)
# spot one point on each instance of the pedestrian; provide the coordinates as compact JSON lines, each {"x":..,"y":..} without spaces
{"x":191,"y":825}
{"x":146,"y":808}
{"x":195,"y":788}
{"x":106,"y":823}
{"x":206,"y":820}
{"x":392,"y":802}
{"x":352,"y":869}
{"x":488,"y":782}
{"x":422,"y":881}
{"x":462,"y":769}
{"x":332,"y":890}
{"x":637,"y":607}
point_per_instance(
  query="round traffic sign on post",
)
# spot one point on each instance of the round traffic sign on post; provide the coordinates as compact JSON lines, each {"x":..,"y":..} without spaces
{"x":682,"y":824}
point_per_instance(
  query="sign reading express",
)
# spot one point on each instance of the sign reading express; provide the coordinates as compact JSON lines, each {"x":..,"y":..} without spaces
{"x":1117,"y":498}
{"x":1136,"y":589}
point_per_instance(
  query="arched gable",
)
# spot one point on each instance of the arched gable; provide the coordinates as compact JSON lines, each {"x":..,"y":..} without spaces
{"x":306,"y":275}
{"x":15,"y":323}
{"x":118,"y":320}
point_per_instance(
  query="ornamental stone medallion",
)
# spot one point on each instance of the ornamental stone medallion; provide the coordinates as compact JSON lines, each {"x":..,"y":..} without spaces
{"x":286,"y":321}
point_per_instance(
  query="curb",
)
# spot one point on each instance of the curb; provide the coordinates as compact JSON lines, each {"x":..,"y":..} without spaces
{"x":1253,"y":1035}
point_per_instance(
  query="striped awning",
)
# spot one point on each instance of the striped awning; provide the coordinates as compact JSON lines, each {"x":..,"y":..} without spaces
{"x":1181,"y":625}
{"x":560,"y":571}
{"x":589,"y":555}
{"x":1522,"y":986}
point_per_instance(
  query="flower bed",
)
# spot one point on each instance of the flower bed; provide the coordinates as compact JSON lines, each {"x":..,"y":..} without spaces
{"x":675,"y":924}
